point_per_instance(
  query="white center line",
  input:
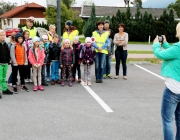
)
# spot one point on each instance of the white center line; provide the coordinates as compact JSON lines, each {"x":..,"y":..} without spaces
{"x":149,"y":72}
{"x":97,"y":98}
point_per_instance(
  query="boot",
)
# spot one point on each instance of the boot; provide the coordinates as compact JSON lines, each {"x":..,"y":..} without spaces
{"x":70,"y":83}
{"x":62,"y":83}
{"x":8,"y":92}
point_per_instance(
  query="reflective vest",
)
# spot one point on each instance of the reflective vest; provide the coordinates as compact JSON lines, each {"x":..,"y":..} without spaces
{"x":101,"y":40}
{"x":32,"y":32}
{"x":50,"y":37}
{"x":70,"y":36}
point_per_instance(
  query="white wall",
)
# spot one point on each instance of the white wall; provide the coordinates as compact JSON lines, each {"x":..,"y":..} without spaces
{"x":15,"y":21}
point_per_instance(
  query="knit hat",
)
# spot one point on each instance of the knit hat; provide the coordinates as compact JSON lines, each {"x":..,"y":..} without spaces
{"x":19,"y":35}
{"x":76,"y":38}
{"x":88,"y":39}
{"x":35,"y":39}
{"x":69,"y":23}
{"x":66,"y":40}
{"x":44,"y":37}
{"x":107,"y":21}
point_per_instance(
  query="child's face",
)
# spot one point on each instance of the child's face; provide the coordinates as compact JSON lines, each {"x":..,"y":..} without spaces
{"x":76,"y":41}
{"x":2,"y":36}
{"x":52,"y":30}
{"x":37,"y":43}
{"x":45,"y":40}
{"x":55,"y":39}
{"x":20,"y":39}
{"x":26,"y":35}
{"x":88,"y":44}
{"x":66,"y":44}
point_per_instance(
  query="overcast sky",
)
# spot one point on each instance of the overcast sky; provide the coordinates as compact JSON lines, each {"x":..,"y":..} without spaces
{"x":146,"y":3}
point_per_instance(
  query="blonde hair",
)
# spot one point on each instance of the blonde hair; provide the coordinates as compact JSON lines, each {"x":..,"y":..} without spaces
{"x":178,"y":31}
{"x":52,"y":26}
{"x":55,"y":36}
{"x":66,"y":40}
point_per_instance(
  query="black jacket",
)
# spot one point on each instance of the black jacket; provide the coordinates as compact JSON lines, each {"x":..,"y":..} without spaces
{"x":4,"y":53}
{"x":77,"y":49}
{"x":54,"y":51}
{"x":67,"y":57}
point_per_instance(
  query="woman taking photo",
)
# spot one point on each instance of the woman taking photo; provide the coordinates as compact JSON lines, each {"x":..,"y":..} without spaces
{"x":171,"y":96}
{"x":121,"y":41}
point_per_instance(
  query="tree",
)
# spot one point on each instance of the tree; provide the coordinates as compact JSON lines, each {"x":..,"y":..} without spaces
{"x":90,"y":24}
{"x":137,"y":3}
{"x":6,"y":6}
{"x":69,"y":3}
{"x":175,"y":6}
{"x":87,"y":2}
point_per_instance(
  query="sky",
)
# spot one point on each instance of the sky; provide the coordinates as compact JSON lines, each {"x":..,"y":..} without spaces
{"x":119,"y":3}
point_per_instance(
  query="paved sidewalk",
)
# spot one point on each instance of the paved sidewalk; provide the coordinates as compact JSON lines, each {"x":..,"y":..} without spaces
{"x":141,"y":56}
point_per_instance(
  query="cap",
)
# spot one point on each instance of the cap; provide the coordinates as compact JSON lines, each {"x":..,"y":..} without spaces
{"x":31,"y":18}
{"x":107,"y":21}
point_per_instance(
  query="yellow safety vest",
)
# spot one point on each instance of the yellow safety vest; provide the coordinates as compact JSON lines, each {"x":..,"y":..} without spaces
{"x":32,"y":32}
{"x":70,"y":36}
{"x":101,"y":40}
{"x":50,"y":38}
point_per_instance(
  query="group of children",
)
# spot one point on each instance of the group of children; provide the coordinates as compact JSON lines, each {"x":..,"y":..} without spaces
{"x":24,"y":53}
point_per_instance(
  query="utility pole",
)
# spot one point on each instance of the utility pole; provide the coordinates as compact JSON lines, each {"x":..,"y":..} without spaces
{"x":59,"y":18}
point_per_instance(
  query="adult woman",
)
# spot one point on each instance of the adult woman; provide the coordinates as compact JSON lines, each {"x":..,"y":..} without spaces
{"x":101,"y":37}
{"x":121,"y":40}
{"x":70,"y":31}
{"x":171,"y":97}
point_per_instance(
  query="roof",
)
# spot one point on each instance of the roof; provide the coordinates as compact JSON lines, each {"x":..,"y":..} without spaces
{"x":109,"y":10}
{"x":19,"y":9}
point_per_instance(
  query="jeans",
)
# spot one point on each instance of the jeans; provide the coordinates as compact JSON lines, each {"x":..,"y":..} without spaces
{"x":55,"y":70}
{"x":170,"y":107}
{"x":3,"y":72}
{"x":15,"y":69}
{"x":107,"y":65}
{"x":27,"y":72}
{"x":76,"y":66}
{"x":99,"y":65}
{"x":43,"y":77}
{"x":47,"y":70}
{"x":121,"y":55}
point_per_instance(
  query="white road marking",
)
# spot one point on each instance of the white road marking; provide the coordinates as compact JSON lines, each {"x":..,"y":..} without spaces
{"x":97,"y":98}
{"x":149,"y":72}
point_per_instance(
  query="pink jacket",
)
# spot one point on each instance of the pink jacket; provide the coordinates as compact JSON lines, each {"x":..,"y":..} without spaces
{"x":32,"y":58}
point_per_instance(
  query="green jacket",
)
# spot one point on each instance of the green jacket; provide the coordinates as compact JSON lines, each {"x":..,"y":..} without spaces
{"x":171,"y":56}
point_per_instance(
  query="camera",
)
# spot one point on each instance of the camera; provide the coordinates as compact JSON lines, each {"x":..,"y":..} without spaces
{"x":161,"y":39}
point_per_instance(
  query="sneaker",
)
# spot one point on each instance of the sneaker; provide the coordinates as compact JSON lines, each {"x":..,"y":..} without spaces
{"x":41,"y":88}
{"x":73,"y":79}
{"x":89,"y":83}
{"x":109,"y":76}
{"x":24,"y":88}
{"x":44,"y":83}
{"x":58,"y":82}
{"x":79,"y":80}
{"x":85,"y":83}
{"x":62,"y":83}
{"x":48,"y":79}
{"x":116,"y":77}
{"x":104,"y":76}
{"x":52,"y":82}
{"x":15,"y":90}
{"x":30,"y":81}
{"x":35,"y":88}
{"x":100,"y":81}
{"x":26,"y":80}
{"x":9,"y":84}
{"x":70,"y":83}
{"x":8,"y":92}
{"x":125,"y":77}
{"x":97,"y":81}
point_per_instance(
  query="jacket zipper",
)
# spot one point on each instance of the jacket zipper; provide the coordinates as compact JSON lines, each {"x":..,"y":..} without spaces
{"x":67,"y":57}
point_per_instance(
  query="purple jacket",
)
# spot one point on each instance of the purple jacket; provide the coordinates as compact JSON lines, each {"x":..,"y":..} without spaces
{"x":88,"y":53}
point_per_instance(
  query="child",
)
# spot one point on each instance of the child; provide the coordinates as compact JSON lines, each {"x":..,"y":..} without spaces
{"x":4,"y":61}
{"x":54,"y":52}
{"x":51,"y":33}
{"x":12,"y":42}
{"x":88,"y":55}
{"x":77,"y":48}
{"x":36,"y":58}
{"x":67,"y":60}
{"x":46,"y":50}
{"x":28,"y":44}
{"x":19,"y":60}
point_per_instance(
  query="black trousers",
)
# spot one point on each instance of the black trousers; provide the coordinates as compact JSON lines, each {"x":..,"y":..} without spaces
{"x":15,"y":69}
{"x":27,"y":72}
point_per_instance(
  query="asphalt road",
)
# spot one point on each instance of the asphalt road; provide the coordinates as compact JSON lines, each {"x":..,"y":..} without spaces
{"x":72,"y":113}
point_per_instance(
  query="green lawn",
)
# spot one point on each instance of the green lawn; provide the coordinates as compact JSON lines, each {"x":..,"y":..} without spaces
{"x":139,"y":52}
